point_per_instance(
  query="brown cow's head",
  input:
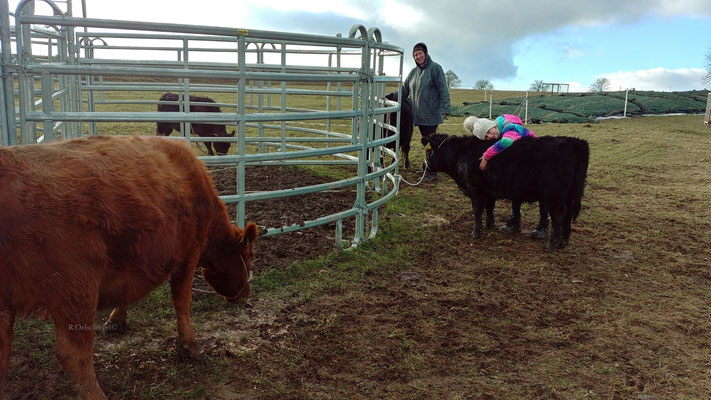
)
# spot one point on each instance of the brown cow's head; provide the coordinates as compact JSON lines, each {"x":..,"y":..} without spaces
{"x":229,"y":267}
{"x":223,"y":147}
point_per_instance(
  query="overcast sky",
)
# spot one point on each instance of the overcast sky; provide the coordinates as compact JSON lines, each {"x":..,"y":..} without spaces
{"x":642,"y":44}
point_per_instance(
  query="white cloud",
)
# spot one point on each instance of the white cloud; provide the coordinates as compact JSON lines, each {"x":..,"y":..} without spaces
{"x":577,"y":87}
{"x":657,"y":79}
{"x":684,"y":7}
{"x":401,"y":16}
{"x":339,"y":7}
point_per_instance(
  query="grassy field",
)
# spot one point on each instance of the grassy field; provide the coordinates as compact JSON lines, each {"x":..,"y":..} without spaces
{"x":425,"y":311}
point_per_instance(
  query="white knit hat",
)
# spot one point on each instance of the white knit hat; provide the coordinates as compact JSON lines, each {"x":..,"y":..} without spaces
{"x":481,"y":126}
{"x":468,"y":124}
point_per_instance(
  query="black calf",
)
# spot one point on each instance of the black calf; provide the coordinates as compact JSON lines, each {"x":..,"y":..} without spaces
{"x":549,"y":169}
{"x":405,"y":126}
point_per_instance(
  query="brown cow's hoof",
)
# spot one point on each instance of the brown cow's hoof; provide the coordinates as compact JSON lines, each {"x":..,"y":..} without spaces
{"x":115,"y":327}
{"x":189,"y":351}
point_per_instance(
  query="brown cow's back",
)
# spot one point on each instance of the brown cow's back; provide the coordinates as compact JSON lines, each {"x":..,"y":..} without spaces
{"x":133,"y":229}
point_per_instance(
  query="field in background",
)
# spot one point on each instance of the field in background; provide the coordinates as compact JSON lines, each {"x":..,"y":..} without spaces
{"x":425,"y":311}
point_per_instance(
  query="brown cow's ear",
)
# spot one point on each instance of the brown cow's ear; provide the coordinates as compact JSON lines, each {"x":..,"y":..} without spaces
{"x":250,"y":233}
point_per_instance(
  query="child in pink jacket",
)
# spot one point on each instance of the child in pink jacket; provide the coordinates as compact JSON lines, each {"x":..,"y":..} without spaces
{"x":507,"y":129}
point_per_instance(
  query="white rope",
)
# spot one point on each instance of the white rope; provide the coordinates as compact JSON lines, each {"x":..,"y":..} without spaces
{"x":424,"y":172}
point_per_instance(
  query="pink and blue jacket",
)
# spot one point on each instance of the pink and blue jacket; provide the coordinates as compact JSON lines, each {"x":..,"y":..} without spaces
{"x":511,"y":129}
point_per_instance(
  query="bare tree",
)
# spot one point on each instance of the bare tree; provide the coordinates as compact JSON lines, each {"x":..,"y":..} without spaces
{"x":483,"y":84}
{"x":452,"y":79}
{"x":538,"y":86}
{"x":600,"y":85}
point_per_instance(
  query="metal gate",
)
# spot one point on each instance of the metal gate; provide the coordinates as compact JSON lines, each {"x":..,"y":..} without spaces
{"x":293,"y":99}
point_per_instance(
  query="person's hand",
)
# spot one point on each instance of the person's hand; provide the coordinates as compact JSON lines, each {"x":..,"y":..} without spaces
{"x":445,"y":115}
{"x":482,"y":165}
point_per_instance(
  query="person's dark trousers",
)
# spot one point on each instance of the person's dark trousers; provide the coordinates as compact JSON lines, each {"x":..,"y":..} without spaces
{"x":541,"y":230}
{"x":427,"y":130}
{"x":513,"y":225}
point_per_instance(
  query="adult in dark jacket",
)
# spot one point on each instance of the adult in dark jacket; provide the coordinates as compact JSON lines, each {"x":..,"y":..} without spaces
{"x":427,"y":88}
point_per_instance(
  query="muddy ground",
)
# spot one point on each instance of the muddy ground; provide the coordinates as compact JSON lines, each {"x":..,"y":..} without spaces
{"x":621,"y":313}
{"x":279,"y":251}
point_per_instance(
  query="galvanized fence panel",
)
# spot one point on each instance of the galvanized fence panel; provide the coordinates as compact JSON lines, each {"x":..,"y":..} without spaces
{"x":88,"y":77}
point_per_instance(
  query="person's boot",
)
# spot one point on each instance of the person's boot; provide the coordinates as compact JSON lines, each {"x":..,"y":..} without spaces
{"x":541,"y":230}
{"x":513,"y":225}
{"x":429,"y":175}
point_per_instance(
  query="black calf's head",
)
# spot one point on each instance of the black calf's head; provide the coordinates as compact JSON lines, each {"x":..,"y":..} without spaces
{"x":223,"y":147}
{"x":438,"y":146}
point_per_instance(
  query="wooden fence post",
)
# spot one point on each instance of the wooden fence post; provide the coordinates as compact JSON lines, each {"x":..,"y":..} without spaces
{"x":708,"y":111}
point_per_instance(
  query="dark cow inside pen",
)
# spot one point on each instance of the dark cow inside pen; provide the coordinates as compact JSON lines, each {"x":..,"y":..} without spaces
{"x":549,"y":169}
{"x":100,"y":222}
{"x":405,"y":126}
{"x":197,"y":104}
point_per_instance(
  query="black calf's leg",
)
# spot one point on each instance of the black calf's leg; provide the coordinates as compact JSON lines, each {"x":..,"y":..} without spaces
{"x":541,"y":230}
{"x":478,"y":208}
{"x":490,"y":213}
{"x":565,"y":237}
{"x":555,"y":241}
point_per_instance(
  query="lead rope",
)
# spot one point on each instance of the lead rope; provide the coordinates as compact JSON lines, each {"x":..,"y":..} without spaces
{"x":424,"y":171}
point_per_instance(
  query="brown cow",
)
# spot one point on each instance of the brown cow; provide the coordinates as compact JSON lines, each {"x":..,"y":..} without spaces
{"x":197,"y":104}
{"x":100,"y":222}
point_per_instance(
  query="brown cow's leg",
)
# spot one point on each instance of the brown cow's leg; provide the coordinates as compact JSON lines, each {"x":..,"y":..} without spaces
{"x":73,"y":347}
{"x":117,"y":320}
{"x":181,"y":287}
{"x":7,"y":323}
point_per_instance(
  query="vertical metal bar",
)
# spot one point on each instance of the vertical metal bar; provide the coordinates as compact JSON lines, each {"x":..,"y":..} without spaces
{"x":90,"y":99}
{"x":68,"y":53}
{"x":7,"y":101}
{"x":23,"y":36}
{"x":328,"y":100}
{"x":283,"y":97}
{"x":364,"y":127}
{"x":241,"y":129}
{"x":339,"y":86}
{"x":48,"y":107}
{"x":260,"y":100}
{"x":4,"y":128}
{"x":185,"y":104}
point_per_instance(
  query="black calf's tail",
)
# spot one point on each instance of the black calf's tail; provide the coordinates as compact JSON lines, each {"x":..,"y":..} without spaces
{"x":582,"y":156}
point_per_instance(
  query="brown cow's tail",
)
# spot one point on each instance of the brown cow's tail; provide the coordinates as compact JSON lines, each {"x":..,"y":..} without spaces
{"x":581,"y":150}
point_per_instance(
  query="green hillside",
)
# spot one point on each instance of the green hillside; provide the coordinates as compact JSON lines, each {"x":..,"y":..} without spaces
{"x":586,"y":107}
